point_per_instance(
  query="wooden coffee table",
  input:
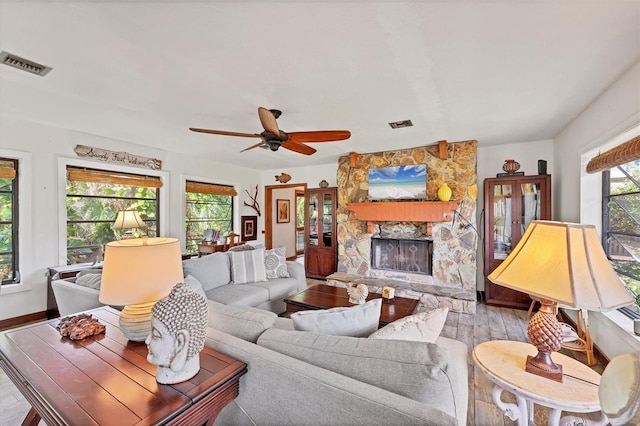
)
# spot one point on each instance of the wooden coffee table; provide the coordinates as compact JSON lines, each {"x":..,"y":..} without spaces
{"x":107,"y":379}
{"x":322,"y":296}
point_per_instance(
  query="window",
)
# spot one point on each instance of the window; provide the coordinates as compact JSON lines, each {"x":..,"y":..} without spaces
{"x":207,"y":206}
{"x":93,"y":200}
{"x":621,"y":222}
{"x":9,"y":221}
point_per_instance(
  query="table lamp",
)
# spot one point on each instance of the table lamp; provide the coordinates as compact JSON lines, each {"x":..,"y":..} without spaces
{"x":128,"y":219}
{"x":137,"y":273}
{"x":561,"y":263}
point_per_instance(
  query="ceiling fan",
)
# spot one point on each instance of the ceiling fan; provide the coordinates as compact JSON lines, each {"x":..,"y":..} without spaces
{"x":273,"y":138}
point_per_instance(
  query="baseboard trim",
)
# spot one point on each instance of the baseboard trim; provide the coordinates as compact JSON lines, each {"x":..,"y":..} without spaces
{"x":22,"y":320}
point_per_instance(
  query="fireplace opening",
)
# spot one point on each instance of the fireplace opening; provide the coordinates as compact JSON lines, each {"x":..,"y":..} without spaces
{"x":414,"y":256}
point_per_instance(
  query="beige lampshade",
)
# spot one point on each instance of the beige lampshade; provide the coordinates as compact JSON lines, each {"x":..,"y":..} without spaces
{"x":128,"y":219}
{"x":565,"y":263}
{"x":140,"y":270}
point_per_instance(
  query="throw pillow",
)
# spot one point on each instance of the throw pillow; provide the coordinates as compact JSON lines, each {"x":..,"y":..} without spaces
{"x":89,"y":280}
{"x":242,"y":247}
{"x":355,"y":321}
{"x":422,"y":327}
{"x":243,"y":322}
{"x":275,"y":261}
{"x":247,"y":266}
{"x":195,"y":285}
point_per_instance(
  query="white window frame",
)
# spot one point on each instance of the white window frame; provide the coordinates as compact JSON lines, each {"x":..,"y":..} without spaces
{"x":63,"y":162}
{"x":614,"y":323}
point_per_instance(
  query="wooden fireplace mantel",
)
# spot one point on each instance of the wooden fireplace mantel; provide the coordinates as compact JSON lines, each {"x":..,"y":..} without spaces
{"x":404,"y":211}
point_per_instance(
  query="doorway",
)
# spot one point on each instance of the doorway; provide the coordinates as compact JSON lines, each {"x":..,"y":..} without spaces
{"x":277,"y":233}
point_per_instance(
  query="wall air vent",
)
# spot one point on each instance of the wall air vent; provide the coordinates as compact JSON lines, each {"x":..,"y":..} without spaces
{"x":23,"y":64}
{"x":401,"y":124}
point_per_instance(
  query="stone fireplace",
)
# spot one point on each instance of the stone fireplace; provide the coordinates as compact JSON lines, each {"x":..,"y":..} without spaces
{"x":447,"y":272}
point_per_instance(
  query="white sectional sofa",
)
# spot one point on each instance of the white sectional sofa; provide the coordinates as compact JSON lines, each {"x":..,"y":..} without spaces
{"x":213,"y":272}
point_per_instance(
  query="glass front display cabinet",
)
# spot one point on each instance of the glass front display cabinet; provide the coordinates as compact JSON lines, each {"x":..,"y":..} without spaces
{"x":320,"y":253}
{"x":510,"y":204}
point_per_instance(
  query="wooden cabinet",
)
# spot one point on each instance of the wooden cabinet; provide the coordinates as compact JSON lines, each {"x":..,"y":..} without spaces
{"x":510,"y":204}
{"x":320,"y":248}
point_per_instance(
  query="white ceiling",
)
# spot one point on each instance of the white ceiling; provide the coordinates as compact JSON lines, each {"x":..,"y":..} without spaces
{"x":143,"y":72}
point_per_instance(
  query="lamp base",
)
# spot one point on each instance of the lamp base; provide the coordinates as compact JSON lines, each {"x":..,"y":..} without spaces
{"x":544,"y":332}
{"x":542,"y":365}
{"x":135,"y":321}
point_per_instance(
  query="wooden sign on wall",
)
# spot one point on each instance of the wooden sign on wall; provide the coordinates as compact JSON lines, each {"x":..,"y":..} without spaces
{"x":123,"y":158}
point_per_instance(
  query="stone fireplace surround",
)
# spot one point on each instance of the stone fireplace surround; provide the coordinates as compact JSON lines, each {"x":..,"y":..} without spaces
{"x":452,"y":282}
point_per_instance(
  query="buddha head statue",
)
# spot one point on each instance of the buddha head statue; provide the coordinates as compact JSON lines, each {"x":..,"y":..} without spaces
{"x":178,"y":328}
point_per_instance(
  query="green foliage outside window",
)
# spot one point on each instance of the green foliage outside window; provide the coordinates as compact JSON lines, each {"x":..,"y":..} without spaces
{"x":92,"y":209}
{"x":6,"y":229}
{"x":206,"y":211}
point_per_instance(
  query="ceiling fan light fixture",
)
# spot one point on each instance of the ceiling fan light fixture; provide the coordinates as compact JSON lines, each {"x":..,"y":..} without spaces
{"x":401,"y":124}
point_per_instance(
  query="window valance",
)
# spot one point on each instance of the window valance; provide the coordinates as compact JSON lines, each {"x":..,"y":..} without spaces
{"x":7,"y":169}
{"x":210,"y":188}
{"x":115,"y":178}
{"x":622,"y":154}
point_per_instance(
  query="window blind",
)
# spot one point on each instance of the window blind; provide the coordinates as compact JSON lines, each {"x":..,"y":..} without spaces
{"x":103,"y":176}
{"x":210,"y":188}
{"x":622,"y":154}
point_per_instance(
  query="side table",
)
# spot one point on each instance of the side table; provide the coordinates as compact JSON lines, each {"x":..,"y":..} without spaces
{"x":106,"y":379}
{"x":503,"y":361}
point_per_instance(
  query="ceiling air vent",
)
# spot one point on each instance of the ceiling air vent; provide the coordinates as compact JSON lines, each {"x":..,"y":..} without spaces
{"x":24,"y":64}
{"x":401,"y":124}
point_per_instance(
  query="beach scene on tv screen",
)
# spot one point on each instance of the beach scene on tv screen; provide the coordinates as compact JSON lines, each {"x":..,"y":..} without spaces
{"x":400,"y":182}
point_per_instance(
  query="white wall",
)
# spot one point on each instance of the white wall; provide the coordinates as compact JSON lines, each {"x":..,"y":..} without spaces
{"x":42,"y":149}
{"x":617,"y":109}
{"x":311,"y":175}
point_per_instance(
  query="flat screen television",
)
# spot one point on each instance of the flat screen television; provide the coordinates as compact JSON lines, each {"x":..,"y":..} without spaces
{"x":398,"y":183}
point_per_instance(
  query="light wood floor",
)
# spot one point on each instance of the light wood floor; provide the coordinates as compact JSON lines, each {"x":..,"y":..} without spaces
{"x":490,"y":323}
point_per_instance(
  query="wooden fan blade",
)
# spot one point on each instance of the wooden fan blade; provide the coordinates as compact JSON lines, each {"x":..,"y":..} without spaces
{"x":254,"y":146}
{"x":300,"y":148}
{"x":318,"y":136}
{"x":268,"y":121}
{"x":222,"y":132}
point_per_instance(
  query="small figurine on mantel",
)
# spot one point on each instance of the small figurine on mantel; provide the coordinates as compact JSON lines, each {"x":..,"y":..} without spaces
{"x":178,"y":329}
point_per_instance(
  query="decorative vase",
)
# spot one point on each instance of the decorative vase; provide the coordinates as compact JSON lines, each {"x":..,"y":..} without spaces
{"x":323,"y":184}
{"x":444,"y":192}
{"x":511,"y":166}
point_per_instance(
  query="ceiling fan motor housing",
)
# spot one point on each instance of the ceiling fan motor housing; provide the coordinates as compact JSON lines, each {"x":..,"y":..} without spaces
{"x":274,"y":144}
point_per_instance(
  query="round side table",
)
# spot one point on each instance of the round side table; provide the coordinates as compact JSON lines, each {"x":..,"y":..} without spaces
{"x":503,"y":362}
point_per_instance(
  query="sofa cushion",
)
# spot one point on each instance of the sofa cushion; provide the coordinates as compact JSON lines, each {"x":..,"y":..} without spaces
{"x":413,"y":369}
{"x":279,"y":288}
{"x":247,"y":266}
{"x":356,"y":321}
{"x":422,"y":327}
{"x":89,"y":280}
{"x":241,"y":295}
{"x":275,"y":261}
{"x":211,"y":271}
{"x":243,"y":322}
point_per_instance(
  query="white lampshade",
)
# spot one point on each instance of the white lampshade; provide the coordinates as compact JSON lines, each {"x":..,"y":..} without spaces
{"x":140,"y":270}
{"x":128,"y":219}
{"x":564,"y":263}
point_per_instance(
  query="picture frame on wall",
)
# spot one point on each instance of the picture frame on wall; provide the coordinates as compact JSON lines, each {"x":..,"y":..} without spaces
{"x":249,"y":228}
{"x":284,"y":211}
